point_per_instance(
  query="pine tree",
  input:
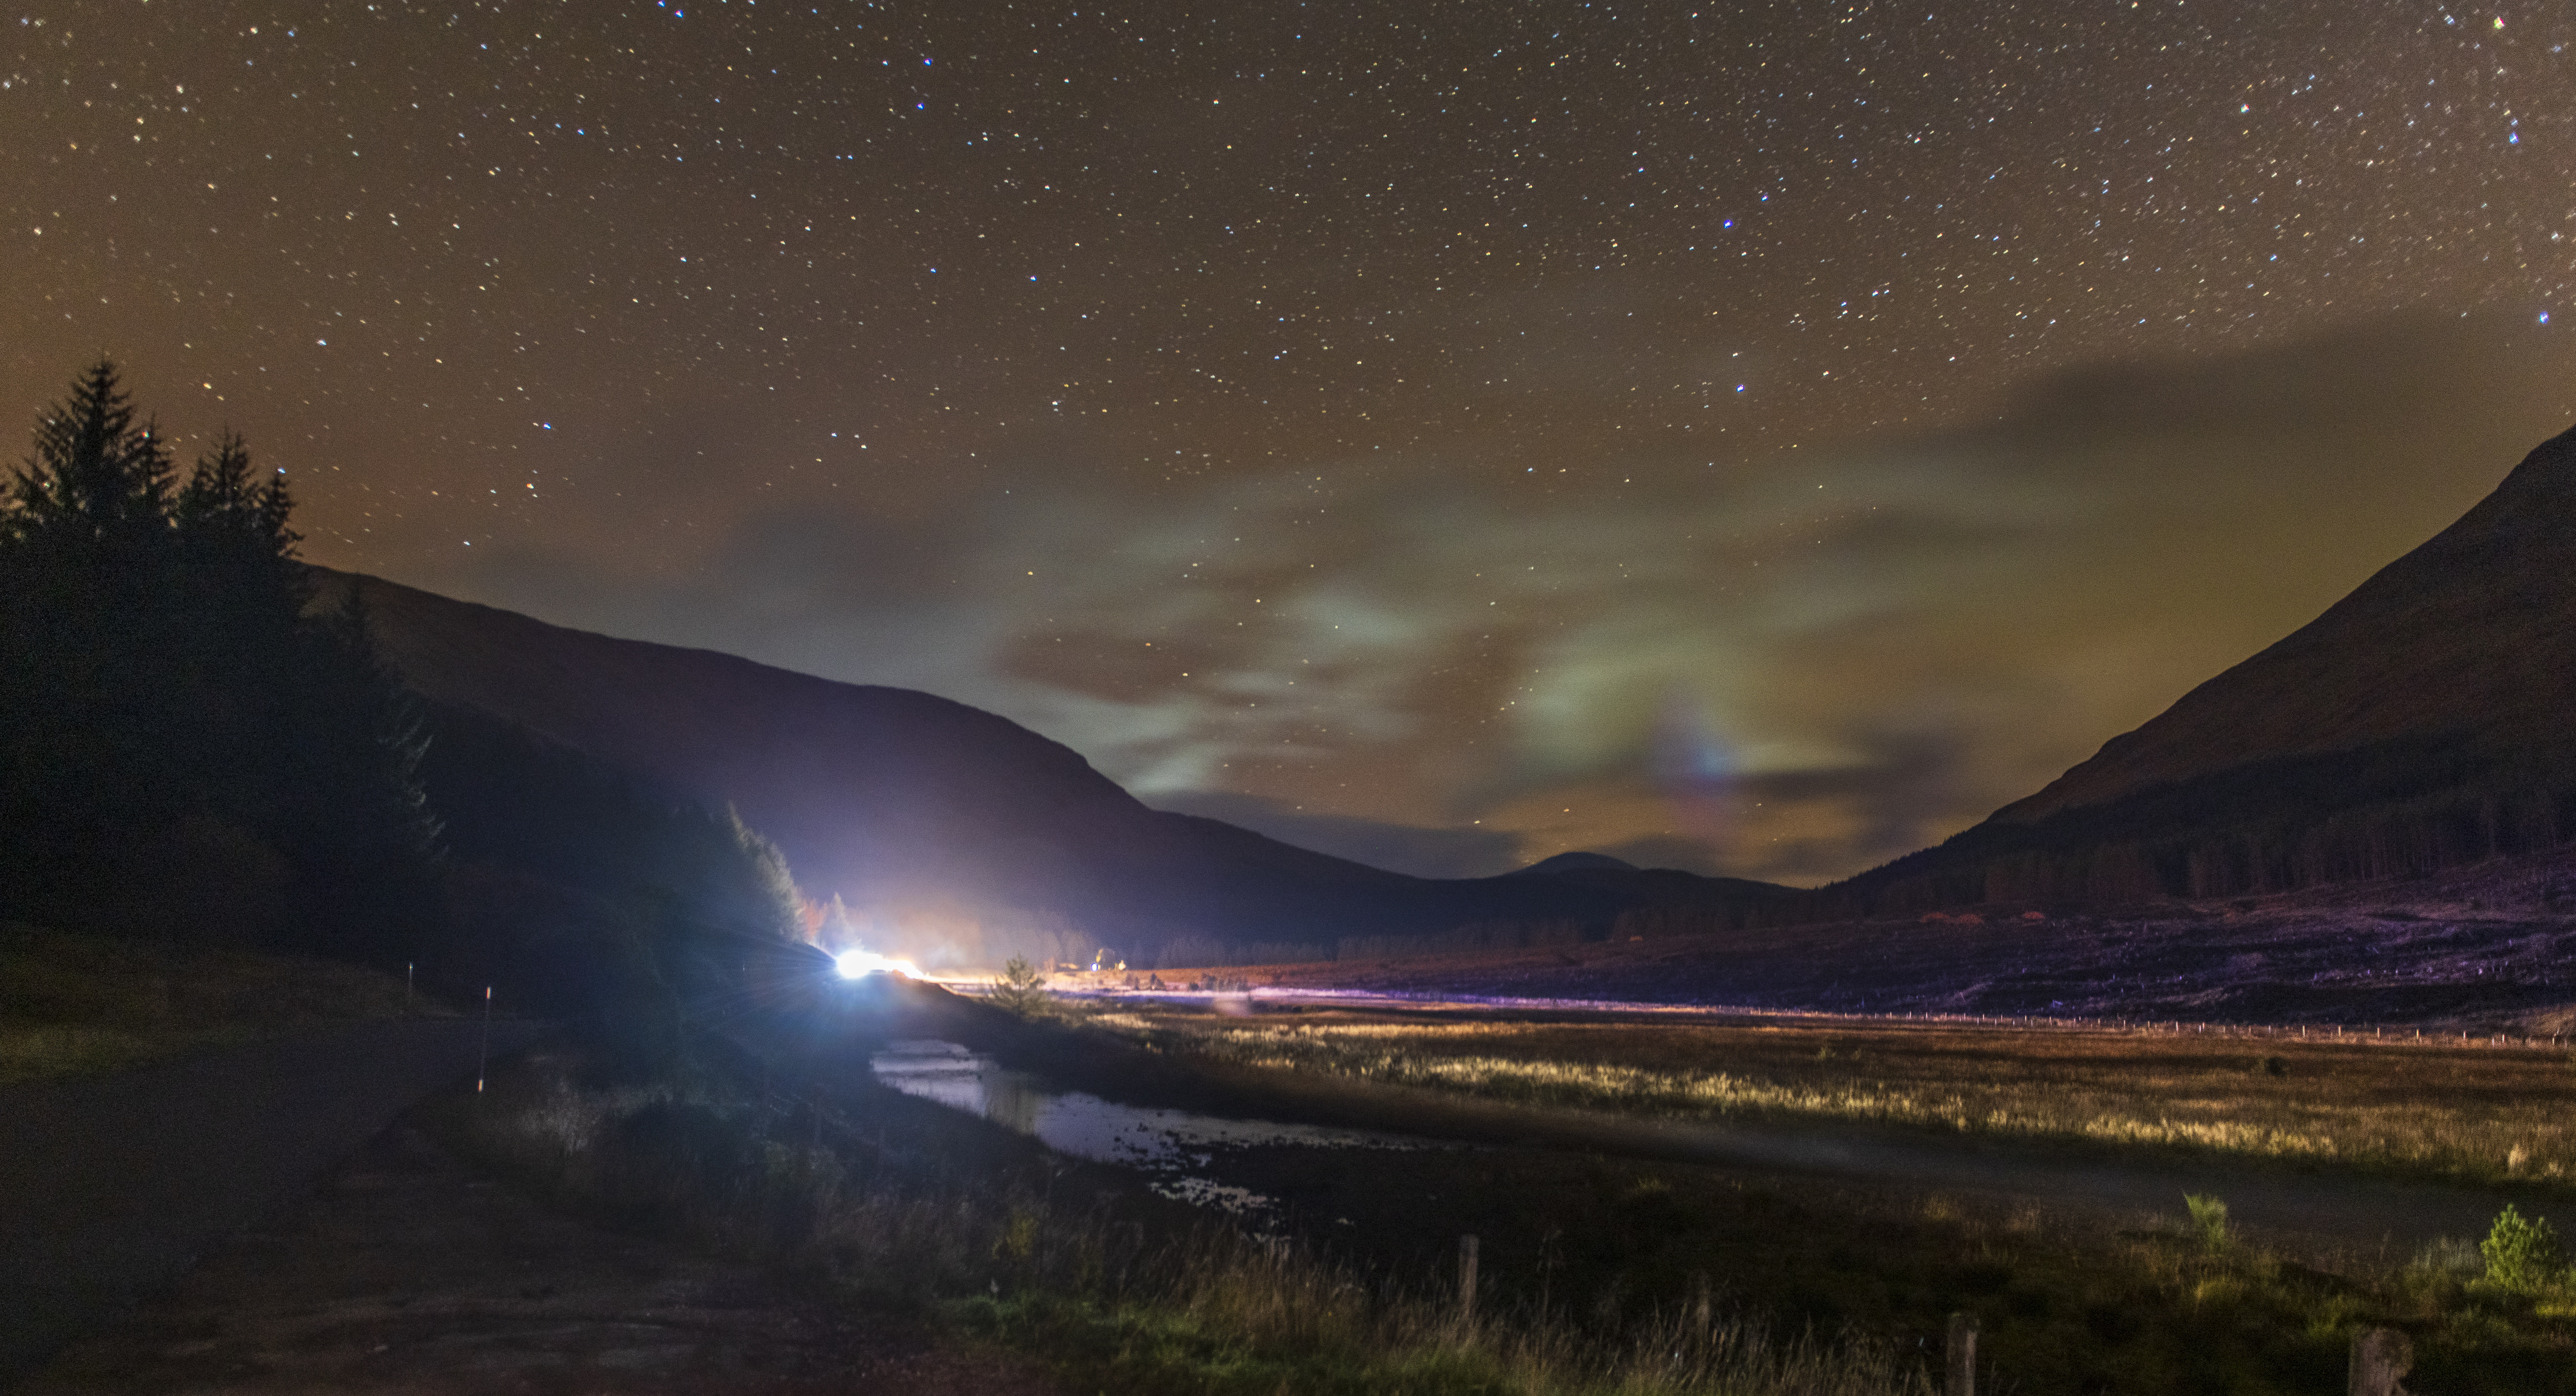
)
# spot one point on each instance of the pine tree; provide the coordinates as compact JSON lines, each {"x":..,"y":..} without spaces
{"x":87,"y":565}
{"x":95,"y":475}
{"x":181,"y":738}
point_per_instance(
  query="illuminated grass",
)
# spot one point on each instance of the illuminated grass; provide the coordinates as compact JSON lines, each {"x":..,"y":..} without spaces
{"x":2466,"y":1113}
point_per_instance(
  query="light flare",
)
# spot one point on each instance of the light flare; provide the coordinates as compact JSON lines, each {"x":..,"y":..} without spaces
{"x":855,"y":963}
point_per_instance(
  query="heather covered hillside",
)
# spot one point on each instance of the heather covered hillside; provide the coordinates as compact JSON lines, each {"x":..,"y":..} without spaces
{"x":2420,"y":723}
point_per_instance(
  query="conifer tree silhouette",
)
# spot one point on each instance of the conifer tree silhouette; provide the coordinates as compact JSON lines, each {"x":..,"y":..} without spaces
{"x":171,"y":707}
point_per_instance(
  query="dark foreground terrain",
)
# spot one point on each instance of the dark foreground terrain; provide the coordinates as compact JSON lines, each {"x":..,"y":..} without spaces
{"x":408,"y":1272}
{"x":115,"y":1185}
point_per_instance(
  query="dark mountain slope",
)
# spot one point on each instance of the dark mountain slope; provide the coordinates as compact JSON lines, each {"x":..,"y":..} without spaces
{"x":1573,"y":862}
{"x":901,"y":802}
{"x":2423,"y":721}
{"x":2469,"y":639}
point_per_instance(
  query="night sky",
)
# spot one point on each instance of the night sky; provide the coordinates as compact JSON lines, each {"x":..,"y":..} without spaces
{"x":1755,"y":439}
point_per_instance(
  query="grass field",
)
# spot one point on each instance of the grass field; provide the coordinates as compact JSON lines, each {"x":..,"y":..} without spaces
{"x":76,"y":1004}
{"x":2065,"y":1304}
{"x":1599,"y":1275}
{"x":2433,"y":1109}
{"x":885,"y":1203}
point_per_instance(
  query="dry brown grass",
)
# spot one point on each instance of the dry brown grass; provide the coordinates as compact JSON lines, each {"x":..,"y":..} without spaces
{"x":2440,"y":1109}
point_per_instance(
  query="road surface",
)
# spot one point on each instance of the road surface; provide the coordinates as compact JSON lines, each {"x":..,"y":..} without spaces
{"x":112,"y":1186}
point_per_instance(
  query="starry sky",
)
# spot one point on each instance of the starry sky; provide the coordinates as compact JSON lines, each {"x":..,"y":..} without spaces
{"x":1759,"y":439}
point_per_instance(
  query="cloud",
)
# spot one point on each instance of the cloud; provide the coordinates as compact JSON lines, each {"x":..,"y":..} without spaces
{"x":1404,"y":848}
{"x":1798,"y":665}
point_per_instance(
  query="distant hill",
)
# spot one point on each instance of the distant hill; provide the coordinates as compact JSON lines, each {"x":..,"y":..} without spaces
{"x":941,"y":819}
{"x":2421,"y":722}
{"x":1574,"y":862}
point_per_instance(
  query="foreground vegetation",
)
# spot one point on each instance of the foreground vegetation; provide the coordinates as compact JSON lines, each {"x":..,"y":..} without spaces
{"x":2465,"y":1114}
{"x":894,"y":1205}
{"x":1599,"y":1275}
{"x":2065,"y":1305}
{"x":77,"y":1004}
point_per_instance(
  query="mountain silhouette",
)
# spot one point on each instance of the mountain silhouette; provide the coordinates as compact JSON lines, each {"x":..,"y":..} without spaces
{"x":2421,"y":722}
{"x":903,"y":804}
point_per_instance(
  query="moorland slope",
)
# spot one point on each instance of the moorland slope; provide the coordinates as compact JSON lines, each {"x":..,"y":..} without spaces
{"x":2419,"y":723}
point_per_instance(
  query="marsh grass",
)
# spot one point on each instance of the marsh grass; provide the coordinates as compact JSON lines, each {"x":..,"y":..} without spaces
{"x":916,"y":1213}
{"x":80,"y":1004}
{"x":2464,"y":1114}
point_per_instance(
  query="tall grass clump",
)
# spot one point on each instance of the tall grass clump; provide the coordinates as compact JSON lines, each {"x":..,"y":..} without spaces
{"x":912,"y":1211}
{"x":2209,"y":1220}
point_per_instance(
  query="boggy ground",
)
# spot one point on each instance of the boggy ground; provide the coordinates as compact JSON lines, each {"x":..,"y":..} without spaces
{"x":1628,"y":1231}
{"x":2098,"y":1294}
{"x":874,"y":1202}
{"x":2080,"y":1297}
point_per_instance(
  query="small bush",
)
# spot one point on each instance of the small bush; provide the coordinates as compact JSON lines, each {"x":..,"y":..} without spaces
{"x":2208,"y":1219}
{"x":2523,"y":1253}
{"x":1022,"y":989}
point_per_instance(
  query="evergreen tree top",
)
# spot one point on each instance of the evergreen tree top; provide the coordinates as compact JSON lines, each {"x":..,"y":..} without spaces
{"x":94,"y":472}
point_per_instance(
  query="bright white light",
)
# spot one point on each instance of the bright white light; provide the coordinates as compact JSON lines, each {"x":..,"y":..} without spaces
{"x":851,"y":964}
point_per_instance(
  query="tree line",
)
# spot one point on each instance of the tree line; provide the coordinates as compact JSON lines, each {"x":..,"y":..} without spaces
{"x":184,"y":741}
{"x":193,"y":748}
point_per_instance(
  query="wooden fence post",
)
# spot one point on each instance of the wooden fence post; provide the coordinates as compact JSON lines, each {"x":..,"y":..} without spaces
{"x":2379,"y":1357}
{"x":1962,"y":1353}
{"x":1467,"y":1280}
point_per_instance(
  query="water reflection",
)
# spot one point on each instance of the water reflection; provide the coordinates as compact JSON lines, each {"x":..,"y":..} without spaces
{"x":1175,"y":1144}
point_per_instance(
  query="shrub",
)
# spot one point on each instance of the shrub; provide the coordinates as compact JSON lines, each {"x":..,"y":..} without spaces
{"x":2522,"y":1252}
{"x":1021,"y":988}
{"x":2208,"y":1219}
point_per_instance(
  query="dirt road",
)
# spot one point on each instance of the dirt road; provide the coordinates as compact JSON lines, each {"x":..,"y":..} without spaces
{"x":112,"y":1186}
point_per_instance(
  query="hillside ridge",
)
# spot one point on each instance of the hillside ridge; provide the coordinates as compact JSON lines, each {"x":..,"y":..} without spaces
{"x":2467,"y":637}
{"x":919,"y":809}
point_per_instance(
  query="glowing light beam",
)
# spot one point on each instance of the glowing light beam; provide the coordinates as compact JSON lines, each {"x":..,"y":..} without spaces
{"x":855,"y":964}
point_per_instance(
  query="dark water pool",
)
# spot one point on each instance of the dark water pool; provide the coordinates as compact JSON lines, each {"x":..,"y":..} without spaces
{"x":1177,"y":1149}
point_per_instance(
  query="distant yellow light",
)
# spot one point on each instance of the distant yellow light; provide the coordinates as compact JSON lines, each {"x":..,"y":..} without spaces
{"x":853,"y":964}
